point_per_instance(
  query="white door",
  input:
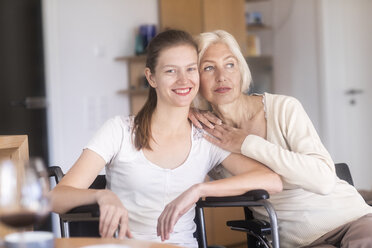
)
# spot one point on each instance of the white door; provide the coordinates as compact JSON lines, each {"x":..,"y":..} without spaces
{"x":346,"y":52}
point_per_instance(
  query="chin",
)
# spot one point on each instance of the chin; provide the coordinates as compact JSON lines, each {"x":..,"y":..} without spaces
{"x":181,"y":102}
{"x":222,"y":100}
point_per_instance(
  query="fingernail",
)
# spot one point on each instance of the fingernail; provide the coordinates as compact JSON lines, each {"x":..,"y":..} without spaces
{"x":219,"y":122}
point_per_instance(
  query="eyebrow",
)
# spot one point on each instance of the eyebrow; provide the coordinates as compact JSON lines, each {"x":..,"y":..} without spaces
{"x":191,"y":64}
{"x":226,"y":58}
{"x":230,"y":56}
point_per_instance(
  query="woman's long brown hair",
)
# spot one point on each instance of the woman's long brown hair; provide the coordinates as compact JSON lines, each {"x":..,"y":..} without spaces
{"x":142,"y":122}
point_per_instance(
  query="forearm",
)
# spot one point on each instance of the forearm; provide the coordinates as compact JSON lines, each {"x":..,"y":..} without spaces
{"x":64,"y":198}
{"x":258,"y":178}
{"x":239,"y":184}
{"x":314,"y":171}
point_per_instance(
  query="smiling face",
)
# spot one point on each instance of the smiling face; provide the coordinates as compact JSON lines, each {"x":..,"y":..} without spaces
{"x":176,"y":76}
{"x":220,"y":78}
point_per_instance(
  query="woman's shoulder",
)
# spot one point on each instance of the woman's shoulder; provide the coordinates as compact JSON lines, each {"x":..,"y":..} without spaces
{"x":277,"y":98}
{"x":120,"y":123}
{"x":197,"y":133}
{"x":281,"y":101}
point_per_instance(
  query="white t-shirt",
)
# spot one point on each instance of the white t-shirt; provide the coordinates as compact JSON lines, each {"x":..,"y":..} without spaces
{"x":145,"y":188}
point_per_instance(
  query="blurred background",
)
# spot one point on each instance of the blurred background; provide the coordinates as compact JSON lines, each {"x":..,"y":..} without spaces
{"x":66,"y":66}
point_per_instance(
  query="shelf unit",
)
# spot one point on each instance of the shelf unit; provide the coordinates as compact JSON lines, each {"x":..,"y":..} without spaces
{"x":254,"y":1}
{"x":259,"y":46}
{"x":261,"y":29}
{"x":258,"y":27}
{"x":196,"y":16}
{"x":137,"y":86}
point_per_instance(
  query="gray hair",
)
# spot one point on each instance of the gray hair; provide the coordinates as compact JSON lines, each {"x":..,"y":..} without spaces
{"x":206,"y":39}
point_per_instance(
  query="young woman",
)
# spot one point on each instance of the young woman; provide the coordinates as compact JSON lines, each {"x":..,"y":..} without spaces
{"x":315,"y":208}
{"x":156,"y":162}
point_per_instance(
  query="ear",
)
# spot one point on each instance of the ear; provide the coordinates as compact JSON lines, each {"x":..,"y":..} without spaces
{"x":150,"y":77}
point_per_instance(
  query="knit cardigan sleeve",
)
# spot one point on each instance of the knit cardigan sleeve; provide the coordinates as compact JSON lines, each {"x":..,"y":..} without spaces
{"x":298,"y":154}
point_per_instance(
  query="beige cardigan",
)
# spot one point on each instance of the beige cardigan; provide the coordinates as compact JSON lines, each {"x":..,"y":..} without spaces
{"x":314,"y":200}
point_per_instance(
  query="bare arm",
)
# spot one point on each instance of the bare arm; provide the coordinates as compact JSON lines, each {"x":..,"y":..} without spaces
{"x":73,"y":191}
{"x":74,"y":185}
{"x":250,"y":175}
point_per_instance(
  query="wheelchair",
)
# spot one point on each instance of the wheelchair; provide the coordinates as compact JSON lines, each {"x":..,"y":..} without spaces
{"x":83,"y":220}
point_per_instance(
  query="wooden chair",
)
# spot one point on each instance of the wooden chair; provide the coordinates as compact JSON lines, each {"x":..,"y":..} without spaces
{"x":14,"y":148}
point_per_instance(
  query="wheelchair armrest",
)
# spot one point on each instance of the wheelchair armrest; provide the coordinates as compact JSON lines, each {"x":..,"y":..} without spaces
{"x":82,"y":213}
{"x":92,"y":209}
{"x":252,"y":195}
{"x":56,"y":172}
{"x":248,"y":199}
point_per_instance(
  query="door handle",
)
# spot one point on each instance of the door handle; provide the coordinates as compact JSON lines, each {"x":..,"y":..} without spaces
{"x":353,"y":92}
{"x":37,"y":102}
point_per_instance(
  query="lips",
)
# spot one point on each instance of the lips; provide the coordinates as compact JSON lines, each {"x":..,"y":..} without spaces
{"x":182,"y":91}
{"x":222,"y":89}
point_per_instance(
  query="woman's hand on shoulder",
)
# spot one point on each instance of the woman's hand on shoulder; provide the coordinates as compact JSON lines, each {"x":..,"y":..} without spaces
{"x":226,"y":137}
{"x":113,"y":214}
{"x":203,"y":117}
{"x":174,"y":210}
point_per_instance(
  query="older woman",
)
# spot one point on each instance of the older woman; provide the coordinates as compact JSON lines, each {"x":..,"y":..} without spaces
{"x":315,"y":208}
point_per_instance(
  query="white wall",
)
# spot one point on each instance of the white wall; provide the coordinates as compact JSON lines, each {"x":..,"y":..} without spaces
{"x":82,"y":38}
{"x":346,"y":45}
{"x":295,"y":53}
{"x":322,"y":48}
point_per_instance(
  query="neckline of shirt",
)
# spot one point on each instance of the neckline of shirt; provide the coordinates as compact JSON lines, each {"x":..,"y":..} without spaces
{"x":154,"y":165}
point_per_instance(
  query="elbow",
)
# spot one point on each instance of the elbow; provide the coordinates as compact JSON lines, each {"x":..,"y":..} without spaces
{"x":55,"y":203}
{"x":54,"y":206}
{"x":325,"y":187}
{"x":277,"y":184}
{"x":325,"y":180}
{"x":58,"y":211}
{"x":271,"y":182}
{"x":324,"y":184}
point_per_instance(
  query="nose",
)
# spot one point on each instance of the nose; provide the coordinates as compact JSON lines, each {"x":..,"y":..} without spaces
{"x":220,"y":75}
{"x":182,"y":78}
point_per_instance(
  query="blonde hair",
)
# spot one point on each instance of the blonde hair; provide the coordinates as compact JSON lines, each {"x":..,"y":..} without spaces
{"x":206,"y":39}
